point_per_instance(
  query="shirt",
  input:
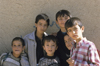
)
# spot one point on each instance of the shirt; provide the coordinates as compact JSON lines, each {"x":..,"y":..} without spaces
{"x":85,"y":54}
{"x":49,"y":61}
{"x":39,"y":49}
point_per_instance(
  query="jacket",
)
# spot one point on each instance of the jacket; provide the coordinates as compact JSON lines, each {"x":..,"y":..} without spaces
{"x":30,"y":47}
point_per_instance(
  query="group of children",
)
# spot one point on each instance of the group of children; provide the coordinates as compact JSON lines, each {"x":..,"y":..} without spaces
{"x":67,"y":48}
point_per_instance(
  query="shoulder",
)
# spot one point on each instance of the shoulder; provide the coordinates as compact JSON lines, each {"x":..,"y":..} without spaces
{"x":57,"y":59}
{"x":28,"y":35}
{"x":3,"y":54}
{"x":90,"y":45}
{"x":42,"y":59}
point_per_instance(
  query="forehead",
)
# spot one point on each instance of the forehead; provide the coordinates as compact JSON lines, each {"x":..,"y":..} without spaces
{"x":74,"y":26}
{"x":66,"y":37}
{"x":63,"y":16}
{"x":49,"y":42}
{"x":17,"y":42}
{"x":42,"y":21}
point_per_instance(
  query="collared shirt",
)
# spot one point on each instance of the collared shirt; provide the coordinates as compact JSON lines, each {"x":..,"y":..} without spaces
{"x":85,"y":54}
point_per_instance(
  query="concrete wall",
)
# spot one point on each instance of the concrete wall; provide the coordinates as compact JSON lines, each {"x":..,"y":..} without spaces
{"x":17,"y":17}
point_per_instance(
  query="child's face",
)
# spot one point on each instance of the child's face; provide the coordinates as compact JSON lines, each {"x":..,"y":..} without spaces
{"x":75,"y":32}
{"x":61,"y":21}
{"x":17,"y":48}
{"x":68,"y":42}
{"x":50,"y":47}
{"x":41,"y":26}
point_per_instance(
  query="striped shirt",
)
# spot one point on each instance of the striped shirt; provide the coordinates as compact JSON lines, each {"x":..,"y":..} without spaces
{"x":85,"y":54}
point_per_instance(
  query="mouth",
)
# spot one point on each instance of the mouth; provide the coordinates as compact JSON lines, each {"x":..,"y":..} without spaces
{"x":50,"y":50}
{"x":74,"y":35}
{"x":16,"y":50}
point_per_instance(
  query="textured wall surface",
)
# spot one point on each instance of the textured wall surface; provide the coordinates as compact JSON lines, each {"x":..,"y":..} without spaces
{"x":17,"y":17}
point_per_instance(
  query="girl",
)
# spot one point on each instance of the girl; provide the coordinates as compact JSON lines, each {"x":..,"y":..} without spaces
{"x":33,"y":40}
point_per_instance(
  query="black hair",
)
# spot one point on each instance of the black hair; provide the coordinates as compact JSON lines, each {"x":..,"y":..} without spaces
{"x":49,"y":38}
{"x":62,"y":13}
{"x":42,"y":16}
{"x":20,"y":39}
{"x":72,"y":22}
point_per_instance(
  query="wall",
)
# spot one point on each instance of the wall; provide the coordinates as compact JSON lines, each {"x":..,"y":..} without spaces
{"x":17,"y":17}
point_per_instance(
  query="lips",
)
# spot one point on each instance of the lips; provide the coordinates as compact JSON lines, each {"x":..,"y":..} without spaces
{"x":16,"y":50}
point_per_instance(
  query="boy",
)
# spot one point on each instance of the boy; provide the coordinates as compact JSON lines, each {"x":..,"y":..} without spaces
{"x":14,"y":58}
{"x":84,"y":52}
{"x":61,"y":17}
{"x":50,"y":46}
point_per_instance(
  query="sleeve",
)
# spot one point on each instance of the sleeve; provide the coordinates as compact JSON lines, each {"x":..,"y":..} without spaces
{"x":24,"y":60}
{"x":92,"y":56}
{"x":1,"y":58}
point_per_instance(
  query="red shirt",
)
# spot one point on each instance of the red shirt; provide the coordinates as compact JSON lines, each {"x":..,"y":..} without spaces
{"x":85,"y":54}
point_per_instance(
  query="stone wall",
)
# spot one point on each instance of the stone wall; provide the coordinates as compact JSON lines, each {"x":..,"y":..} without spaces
{"x":17,"y":17}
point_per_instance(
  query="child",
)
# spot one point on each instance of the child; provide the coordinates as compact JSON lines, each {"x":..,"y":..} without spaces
{"x":84,"y":52}
{"x":68,"y":42}
{"x":61,"y":17}
{"x":33,"y":40}
{"x":50,"y":46}
{"x":14,"y":58}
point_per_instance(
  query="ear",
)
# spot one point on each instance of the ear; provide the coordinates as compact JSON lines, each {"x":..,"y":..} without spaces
{"x":43,"y":47}
{"x":35,"y":24}
{"x":56,"y":47}
{"x":23,"y":47}
{"x":56,"y":22}
{"x":82,"y":29}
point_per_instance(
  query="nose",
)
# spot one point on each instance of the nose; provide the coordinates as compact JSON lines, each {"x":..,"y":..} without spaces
{"x":43,"y":27}
{"x":74,"y":31}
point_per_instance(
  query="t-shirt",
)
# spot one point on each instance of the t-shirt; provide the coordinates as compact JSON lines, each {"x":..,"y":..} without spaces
{"x":49,"y":61}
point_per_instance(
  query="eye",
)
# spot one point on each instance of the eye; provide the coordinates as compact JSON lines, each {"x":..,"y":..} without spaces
{"x":40,"y":23}
{"x":47,"y":45}
{"x":53,"y":45}
{"x":69,"y":30}
{"x":14,"y":45}
{"x":19,"y":45}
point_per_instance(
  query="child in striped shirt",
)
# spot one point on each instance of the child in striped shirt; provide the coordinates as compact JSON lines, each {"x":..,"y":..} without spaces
{"x":84,"y":52}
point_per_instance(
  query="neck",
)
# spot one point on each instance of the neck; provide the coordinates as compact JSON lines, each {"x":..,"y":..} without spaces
{"x":16,"y":55}
{"x":39,"y":35}
{"x":63,"y":30}
{"x":79,"y":39}
{"x":50,"y":54}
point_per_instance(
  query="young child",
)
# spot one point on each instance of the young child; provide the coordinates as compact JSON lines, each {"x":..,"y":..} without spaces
{"x":61,"y":17}
{"x":84,"y":52}
{"x":50,"y":46}
{"x":33,"y":40}
{"x":14,"y":58}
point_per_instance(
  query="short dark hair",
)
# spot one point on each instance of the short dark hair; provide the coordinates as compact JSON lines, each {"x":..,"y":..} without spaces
{"x":72,"y":22}
{"x":49,"y":38}
{"x":42,"y":16}
{"x":62,"y":13}
{"x":19,"y":39}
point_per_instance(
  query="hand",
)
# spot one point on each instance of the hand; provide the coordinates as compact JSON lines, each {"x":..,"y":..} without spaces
{"x":70,"y":62}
